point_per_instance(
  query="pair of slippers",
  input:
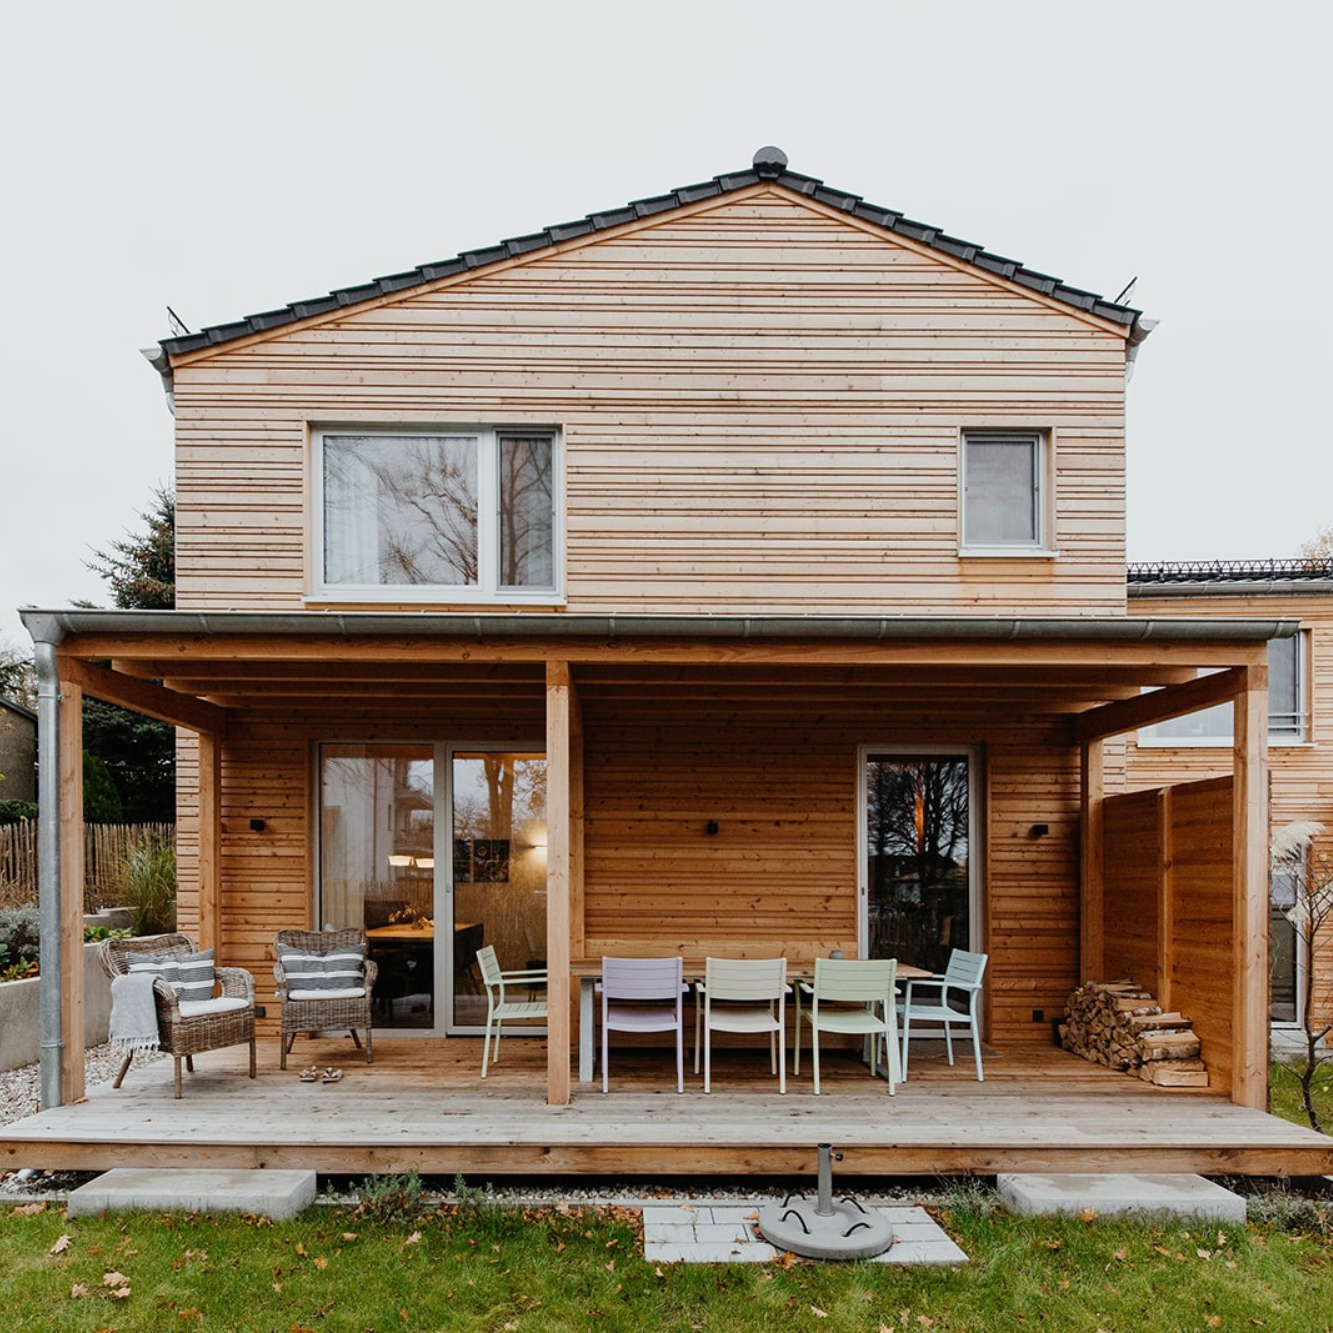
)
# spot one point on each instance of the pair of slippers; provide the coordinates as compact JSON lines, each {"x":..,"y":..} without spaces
{"x":316,"y":1075}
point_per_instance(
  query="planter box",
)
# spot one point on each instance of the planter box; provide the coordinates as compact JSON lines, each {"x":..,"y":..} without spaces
{"x":21,"y":1013}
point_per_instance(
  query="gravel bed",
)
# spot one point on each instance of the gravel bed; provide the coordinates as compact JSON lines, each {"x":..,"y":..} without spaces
{"x":20,"y":1088}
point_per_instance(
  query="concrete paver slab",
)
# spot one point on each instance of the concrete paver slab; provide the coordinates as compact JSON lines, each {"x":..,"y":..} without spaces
{"x":1187,"y":1197}
{"x":275,"y":1194}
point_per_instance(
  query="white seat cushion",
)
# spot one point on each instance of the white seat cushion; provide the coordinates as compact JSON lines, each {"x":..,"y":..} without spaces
{"x":345,"y":993}
{"x":224,"y":1004}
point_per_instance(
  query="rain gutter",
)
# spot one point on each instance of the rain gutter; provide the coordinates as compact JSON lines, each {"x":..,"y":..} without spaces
{"x":1233,"y":588}
{"x":55,"y":626}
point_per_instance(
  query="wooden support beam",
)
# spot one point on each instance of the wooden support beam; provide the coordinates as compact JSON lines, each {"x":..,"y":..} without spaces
{"x":71,"y":892}
{"x":1092,"y":857}
{"x":143,"y":697}
{"x":560,"y":705}
{"x":1170,"y":701}
{"x":210,"y":841}
{"x":1249,"y":1023}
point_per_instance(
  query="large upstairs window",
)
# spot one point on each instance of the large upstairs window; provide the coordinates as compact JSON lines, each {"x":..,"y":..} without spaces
{"x":451,"y":515}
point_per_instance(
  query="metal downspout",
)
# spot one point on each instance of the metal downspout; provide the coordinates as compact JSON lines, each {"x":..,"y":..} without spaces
{"x":50,"y":986}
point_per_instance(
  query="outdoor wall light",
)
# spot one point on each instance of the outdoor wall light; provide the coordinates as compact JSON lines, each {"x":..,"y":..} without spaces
{"x":711,"y":828}
{"x":257,"y":826}
{"x":1040,"y":830}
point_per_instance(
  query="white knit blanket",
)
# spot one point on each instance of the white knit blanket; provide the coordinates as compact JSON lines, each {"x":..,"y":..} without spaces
{"x":133,"y":1013}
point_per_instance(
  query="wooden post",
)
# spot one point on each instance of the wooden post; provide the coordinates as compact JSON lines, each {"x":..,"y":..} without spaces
{"x":210,"y":841}
{"x":71,"y":892}
{"x":578,"y":931}
{"x":559,"y":856}
{"x":1250,"y":897}
{"x":1166,"y":900}
{"x":1092,"y":849}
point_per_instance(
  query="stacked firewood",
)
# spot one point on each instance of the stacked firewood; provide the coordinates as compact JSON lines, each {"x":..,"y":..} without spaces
{"x":1121,"y":1026}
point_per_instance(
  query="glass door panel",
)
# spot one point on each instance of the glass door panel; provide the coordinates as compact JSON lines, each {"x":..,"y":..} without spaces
{"x":917,"y":843}
{"x":497,"y":869}
{"x":377,"y":868}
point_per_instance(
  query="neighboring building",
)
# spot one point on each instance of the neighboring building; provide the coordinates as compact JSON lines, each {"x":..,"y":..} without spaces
{"x":18,"y":752}
{"x":1300,"y":714}
{"x":738,"y":571}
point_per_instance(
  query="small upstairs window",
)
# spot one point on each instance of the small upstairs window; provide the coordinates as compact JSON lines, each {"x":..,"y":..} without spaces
{"x":1004,"y":491}
{"x":454,"y":515}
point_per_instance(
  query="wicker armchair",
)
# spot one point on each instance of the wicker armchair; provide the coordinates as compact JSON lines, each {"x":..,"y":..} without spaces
{"x":313,"y":1013}
{"x":180,"y":1036}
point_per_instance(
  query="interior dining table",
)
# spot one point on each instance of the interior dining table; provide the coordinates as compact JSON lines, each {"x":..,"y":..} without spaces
{"x":589,"y":974}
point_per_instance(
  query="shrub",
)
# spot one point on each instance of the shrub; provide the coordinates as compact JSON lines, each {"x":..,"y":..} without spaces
{"x":391,"y":1198}
{"x":150,"y":887}
{"x":17,"y":812}
{"x":20,"y":934}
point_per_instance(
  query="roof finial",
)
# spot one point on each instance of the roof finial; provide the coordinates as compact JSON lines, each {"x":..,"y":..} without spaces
{"x":770,"y":161}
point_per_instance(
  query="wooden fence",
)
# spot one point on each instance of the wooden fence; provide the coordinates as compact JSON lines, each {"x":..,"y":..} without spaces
{"x":105,"y":849}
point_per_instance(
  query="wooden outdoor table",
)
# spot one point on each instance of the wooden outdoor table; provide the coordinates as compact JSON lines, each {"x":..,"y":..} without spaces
{"x":589,"y":973}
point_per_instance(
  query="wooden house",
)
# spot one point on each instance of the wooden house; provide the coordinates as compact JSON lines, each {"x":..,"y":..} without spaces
{"x":740,"y":571}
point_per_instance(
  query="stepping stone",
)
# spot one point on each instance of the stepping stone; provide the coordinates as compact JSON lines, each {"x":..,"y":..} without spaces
{"x":275,"y":1194}
{"x":1183,"y":1197}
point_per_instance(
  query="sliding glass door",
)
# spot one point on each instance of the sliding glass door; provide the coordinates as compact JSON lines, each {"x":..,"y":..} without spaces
{"x":917,"y":837}
{"x":434,"y":851}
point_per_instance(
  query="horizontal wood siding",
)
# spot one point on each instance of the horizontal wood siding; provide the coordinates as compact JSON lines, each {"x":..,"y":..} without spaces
{"x":760,"y":403}
{"x":1133,"y":885}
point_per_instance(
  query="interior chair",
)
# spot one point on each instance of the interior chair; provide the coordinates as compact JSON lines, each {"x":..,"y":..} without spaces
{"x":643,"y":995}
{"x":743,"y":995}
{"x":186,"y":1027}
{"x":961,"y":977}
{"x":854,"y":995}
{"x":325,"y":983}
{"x":498,"y":1004}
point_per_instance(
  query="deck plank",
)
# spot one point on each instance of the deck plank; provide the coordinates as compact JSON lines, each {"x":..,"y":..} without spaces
{"x":423,"y":1104}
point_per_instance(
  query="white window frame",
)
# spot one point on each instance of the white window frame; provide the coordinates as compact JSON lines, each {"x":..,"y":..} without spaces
{"x":487,"y":589}
{"x":1148,"y":739}
{"x":1042,"y":547}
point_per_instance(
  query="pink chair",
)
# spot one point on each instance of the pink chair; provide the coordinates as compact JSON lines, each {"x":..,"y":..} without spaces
{"x":643,"y":995}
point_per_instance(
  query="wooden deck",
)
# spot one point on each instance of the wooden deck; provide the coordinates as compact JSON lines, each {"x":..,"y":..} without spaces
{"x":422,"y":1104}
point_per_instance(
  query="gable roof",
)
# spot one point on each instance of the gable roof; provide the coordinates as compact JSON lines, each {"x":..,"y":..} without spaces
{"x":1197,"y":578}
{"x":769,"y":165}
{"x":11,"y":707}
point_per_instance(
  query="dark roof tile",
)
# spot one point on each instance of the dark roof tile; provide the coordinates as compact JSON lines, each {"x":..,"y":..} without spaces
{"x":854,"y":204}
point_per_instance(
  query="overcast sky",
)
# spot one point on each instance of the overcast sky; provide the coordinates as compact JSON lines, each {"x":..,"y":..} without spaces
{"x":226,"y":159}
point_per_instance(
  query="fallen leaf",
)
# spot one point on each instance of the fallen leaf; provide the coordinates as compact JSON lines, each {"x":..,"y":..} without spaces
{"x":300,"y":1249}
{"x":1088,"y":1215}
{"x":1213,"y":1320}
{"x":611,"y":1267}
{"x":121,"y":1294}
{"x":349,"y":1235}
{"x":28,"y":1209}
{"x":925,"y":1321}
{"x":1204,"y":1254}
{"x":818,"y":1313}
{"x":1122,"y":1254}
{"x":189,"y":1313}
{"x":78,"y":1290}
{"x":657,"y":1272}
{"x":321,"y":1262}
{"x":402,"y":1315}
{"x":61,"y":1245}
{"x":413,"y":1238}
{"x":277,"y":1286}
{"x":114,"y":1279}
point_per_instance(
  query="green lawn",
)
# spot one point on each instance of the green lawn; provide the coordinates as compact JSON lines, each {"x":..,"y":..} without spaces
{"x":1285,"y":1094}
{"x":550,"y":1270}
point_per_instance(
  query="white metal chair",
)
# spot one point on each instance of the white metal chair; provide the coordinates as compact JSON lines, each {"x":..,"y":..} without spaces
{"x":751,"y":996}
{"x":498,"y":1006}
{"x":853,"y":995}
{"x":643,"y":995}
{"x":962,"y":976}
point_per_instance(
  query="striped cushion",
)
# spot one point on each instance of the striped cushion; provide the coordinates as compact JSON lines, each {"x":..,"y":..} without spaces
{"x":190,"y":975}
{"x":337,"y":970}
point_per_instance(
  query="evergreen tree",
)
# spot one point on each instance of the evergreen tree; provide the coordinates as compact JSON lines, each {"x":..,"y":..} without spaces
{"x":141,"y":567}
